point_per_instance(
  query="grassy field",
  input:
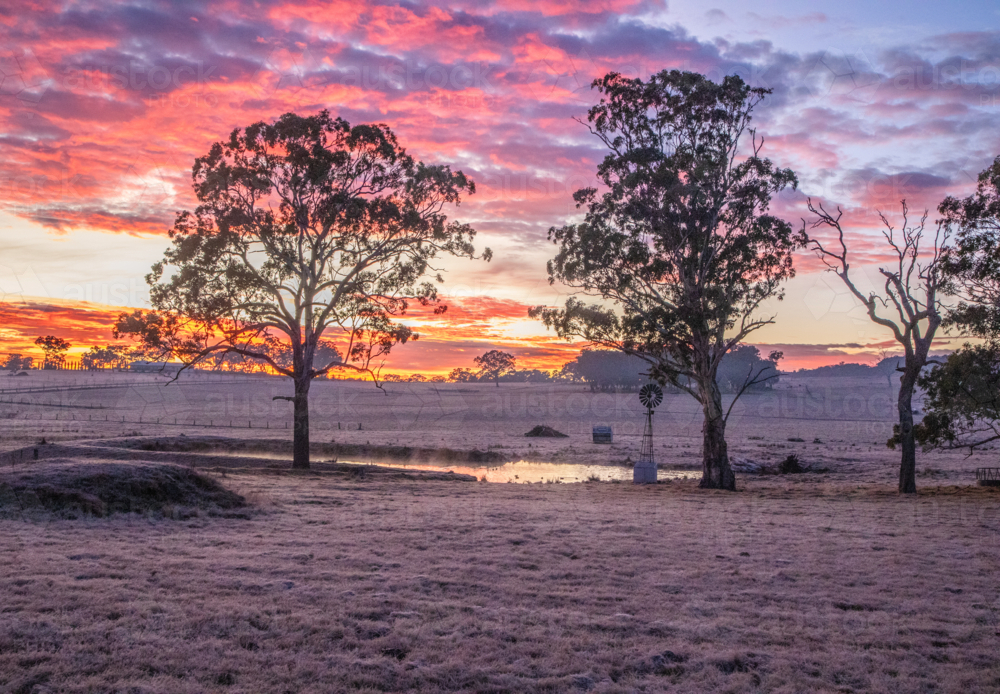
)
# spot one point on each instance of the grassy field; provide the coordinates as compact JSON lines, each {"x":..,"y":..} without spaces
{"x":826,"y":581}
{"x":842,"y":423}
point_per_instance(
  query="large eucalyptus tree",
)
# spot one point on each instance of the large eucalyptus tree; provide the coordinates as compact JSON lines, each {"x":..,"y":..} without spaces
{"x":309,"y":232}
{"x":679,"y":245}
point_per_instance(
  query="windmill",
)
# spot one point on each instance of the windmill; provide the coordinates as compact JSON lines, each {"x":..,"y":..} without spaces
{"x":644,"y":471}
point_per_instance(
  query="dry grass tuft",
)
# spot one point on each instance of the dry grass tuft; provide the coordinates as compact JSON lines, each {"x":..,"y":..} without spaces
{"x":791,"y":466}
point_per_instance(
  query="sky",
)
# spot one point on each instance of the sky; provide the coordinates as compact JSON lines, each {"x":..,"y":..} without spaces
{"x":104,"y":106}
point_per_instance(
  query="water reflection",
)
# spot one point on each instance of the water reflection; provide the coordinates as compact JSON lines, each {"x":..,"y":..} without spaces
{"x":520,"y":472}
{"x":526,"y":472}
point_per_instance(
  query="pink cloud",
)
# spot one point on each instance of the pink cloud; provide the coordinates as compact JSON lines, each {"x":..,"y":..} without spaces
{"x":110,"y":105}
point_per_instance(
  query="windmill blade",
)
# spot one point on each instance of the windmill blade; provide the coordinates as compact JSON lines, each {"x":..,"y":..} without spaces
{"x":651,"y":395}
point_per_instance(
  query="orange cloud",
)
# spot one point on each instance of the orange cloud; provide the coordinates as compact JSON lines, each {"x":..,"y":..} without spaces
{"x":82,"y":324}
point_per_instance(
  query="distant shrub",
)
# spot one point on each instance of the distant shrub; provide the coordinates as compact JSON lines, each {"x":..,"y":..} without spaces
{"x":791,"y":465}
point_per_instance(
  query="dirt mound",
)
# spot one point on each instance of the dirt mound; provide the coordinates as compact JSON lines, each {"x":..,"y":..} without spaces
{"x":546,"y":432}
{"x":99,"y":489}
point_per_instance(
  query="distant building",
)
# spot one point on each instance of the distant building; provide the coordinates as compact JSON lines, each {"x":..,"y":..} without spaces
{"x":170,"y":368}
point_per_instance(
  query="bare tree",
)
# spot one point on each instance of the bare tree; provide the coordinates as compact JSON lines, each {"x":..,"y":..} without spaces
{"x":909,"y":306}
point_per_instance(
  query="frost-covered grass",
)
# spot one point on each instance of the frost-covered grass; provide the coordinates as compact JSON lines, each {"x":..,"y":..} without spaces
{"x":791,"y":585}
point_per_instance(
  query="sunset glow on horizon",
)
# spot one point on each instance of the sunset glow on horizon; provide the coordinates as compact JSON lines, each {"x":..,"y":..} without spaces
{"x":104,"y":107}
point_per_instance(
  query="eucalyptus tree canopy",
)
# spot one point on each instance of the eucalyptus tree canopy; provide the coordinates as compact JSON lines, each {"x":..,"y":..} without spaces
{"x":495,"y":364}
{"x":679,"y":244}
{"x":973,"y":263}
{"x":55,"y":349}
{"x":308,"y":231}
{"x":962,"y":402}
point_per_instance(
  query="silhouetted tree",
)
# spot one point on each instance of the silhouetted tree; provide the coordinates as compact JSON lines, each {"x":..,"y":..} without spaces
{"x":681,"y":240}
{"x":55,"y":349}
{"x":528,"y":376}
{"x":609,"y":370}
{"x":886,"y":365}
{"x":973,"y":262}
{"x":744,"y":370}
{"x":495,"y":364}
{"x":962,"y":403}
{"x":909,"y":306}
{"x":308,"y":228}
{"x":962,"y":400}
{"x":103,"y":357}
{"x":460,"y":375}
{"x":17,"y":362}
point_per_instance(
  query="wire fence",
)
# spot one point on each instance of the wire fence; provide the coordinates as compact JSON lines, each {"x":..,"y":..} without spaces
{"x":211,"y":423}
{"x":988,"y":476}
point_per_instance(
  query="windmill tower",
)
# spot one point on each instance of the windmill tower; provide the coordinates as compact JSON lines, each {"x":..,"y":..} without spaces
{"x":644,"y":471}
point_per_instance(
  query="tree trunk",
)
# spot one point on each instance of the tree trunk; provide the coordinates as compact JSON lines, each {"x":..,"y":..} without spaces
{"x":716,"y":473}
{"x":300,"y":435}
{"x":904,"y":403}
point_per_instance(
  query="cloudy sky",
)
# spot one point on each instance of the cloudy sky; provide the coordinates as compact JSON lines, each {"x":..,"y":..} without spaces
{"x":104,"y":106}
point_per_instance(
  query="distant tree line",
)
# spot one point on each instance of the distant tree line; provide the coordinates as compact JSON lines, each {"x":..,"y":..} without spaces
{"x":885,"y":368}
{"x":608,"y":370}
{"x":54,"y":349}
{"x":496,"y":366}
